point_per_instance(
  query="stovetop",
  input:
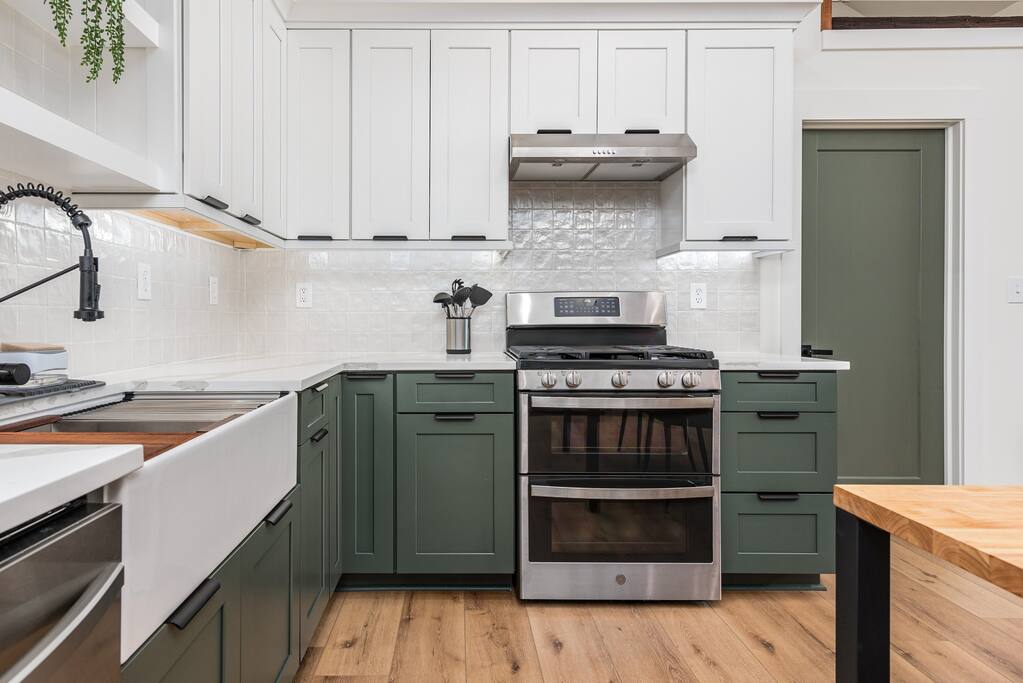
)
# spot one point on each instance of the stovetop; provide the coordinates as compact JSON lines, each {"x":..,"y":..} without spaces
{"x":613,"y":356}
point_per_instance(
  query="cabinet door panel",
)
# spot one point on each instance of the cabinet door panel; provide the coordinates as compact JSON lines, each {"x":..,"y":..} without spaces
{"x":274,"y":48}
{"x":642,"y":81}
{"x":740,"y":101}
{"x":554,"y":81}
{"x":313,"y":576}
{"x":318,"y":133}
{"x":469,"y":134}
{"x":207,"y":99}
{"x":367,"y":474}
{"x":246,"y":108}
{"x":455,"y":495}
{"x":391,"y":134}
{"x":334,"y":486}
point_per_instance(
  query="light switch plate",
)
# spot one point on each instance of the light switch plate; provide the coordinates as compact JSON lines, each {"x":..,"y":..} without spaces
{"x":214,"y":290}
{"x":145,"y":282}
{"x":698,"y":295}
{"x":303,"y":295}
{"x":1015,"y":290}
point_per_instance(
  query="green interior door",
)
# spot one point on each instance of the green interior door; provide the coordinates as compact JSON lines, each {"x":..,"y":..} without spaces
{"x":873,"y":291}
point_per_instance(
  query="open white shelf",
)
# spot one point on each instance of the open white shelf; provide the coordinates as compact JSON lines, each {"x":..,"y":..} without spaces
{"x":140,"y":28}
{"x":43,"y":145}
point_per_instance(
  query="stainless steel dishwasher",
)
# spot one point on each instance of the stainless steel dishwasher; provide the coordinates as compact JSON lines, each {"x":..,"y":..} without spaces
{"x":60,"y":584}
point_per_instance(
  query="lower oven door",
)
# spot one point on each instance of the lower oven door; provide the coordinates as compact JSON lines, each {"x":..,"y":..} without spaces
{"x":620,"y":538}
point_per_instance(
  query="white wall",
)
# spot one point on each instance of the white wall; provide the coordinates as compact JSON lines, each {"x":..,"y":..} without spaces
{"x":982,"y":88}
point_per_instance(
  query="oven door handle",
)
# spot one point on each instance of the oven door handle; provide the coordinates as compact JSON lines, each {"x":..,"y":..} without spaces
{"x":610,"y":403}
{"x":578,"y":493}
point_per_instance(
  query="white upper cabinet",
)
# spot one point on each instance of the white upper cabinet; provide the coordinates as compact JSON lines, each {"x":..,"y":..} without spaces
{"x":391,"y":134}
{"x":318,"y":133}
{"x":207,"y":100}
{"x":740,"y":100}
{"x":554,"y":81}
{"x":274,"y":50}
{"x":246,"y":110}
{"x":469,"y":134}
{"x":641,"y":81}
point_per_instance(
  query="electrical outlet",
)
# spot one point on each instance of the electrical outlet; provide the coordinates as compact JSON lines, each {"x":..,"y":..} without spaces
{"x":1015,"y":293}
{"x":214,"y":290}
{"x":145,"y":282}
{"x":303,"y":295}
{"x":697,"y":295}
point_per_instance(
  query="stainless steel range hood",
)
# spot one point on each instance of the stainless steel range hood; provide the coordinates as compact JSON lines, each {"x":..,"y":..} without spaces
{"x":607,"y":156}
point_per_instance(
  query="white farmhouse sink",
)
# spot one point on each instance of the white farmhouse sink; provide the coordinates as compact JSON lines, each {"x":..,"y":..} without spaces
{"x":186,"y":509}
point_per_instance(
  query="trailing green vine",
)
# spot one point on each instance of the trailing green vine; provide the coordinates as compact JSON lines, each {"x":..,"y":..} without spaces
{"x":102,"y":27}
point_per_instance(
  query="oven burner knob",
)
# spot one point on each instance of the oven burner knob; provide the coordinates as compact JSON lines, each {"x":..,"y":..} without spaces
{"x":620,"y":379}
{"x":665,"y":379}
{"x":548,"y":379}
{"x":690,"y":380}
{"x":573,"y":379}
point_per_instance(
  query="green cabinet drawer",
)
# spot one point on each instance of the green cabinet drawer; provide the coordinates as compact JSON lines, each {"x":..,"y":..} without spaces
{"x":778,"y":451}
{"x":777,"y":533}
{"x":314,"y":587}
{"x":268,"y":596}
{"x":367,"y":473}
{"x":314,"y":409}
{"x":455,"y":494}
{"x":206,"y":650}
{"x":456,"y":392}
{"x":799,"y":391}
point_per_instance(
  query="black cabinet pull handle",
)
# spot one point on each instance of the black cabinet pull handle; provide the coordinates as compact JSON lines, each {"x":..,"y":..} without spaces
{"x":210,"y":200}
{"x":554,"y":131}
{"x":468,"y":238}
{"x":807,"y":351}
{"x":642,"y":131}
{"x":739,"y":238}
{"x":250,"y":219}
{"x":391,"y":238}
{"x":321,"y":388}
{"x":778,"y":374}
{"x":455,"y":375}
{"x":773,"y":497}
{"x":320,"y":435}
{"x":777,"y":414}
{"x":187,"y":610}
{"x":366,"y":375}
{"x":316,"y":238}
{"x":277,"y":514}
{"x":454,"y":417}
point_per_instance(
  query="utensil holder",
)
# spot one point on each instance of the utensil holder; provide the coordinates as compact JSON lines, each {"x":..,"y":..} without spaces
{"x":459,"y":335}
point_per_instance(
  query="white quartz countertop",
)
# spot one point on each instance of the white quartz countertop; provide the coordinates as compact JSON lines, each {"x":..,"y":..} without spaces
{"x":38,"y":478}
{"x":767,"y":362}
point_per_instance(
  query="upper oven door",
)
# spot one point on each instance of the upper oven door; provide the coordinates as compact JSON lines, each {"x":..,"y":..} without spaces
{"x":593,"y":433}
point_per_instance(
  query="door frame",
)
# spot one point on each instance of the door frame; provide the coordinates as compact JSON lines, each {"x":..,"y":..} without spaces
{"x":954,"y":290}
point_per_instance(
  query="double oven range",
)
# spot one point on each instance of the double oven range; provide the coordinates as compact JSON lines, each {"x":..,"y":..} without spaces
{"x":618,"y":456}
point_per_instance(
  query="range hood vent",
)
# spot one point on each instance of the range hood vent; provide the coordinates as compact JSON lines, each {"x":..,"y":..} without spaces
{"x":607,"y":156}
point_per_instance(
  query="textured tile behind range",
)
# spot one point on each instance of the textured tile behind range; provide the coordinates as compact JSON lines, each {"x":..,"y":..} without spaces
{"x":36,"y":239}
{"x":567,"y":236}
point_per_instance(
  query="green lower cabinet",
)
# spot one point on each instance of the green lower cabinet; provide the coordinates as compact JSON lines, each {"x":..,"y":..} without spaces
{"x":268,"y":599}
{"x":455,"y":507}
{"x":367,"y":473}
{"x":334,"y":487}
{"x":777,"y":533}
{"x":314,"y":587}
{"x":778,"y":451}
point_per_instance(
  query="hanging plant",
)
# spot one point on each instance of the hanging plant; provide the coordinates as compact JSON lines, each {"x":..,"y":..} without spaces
{"x":102,"y":27}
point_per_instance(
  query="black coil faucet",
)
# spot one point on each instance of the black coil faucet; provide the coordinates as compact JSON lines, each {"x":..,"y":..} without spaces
{"x":88,"y":265}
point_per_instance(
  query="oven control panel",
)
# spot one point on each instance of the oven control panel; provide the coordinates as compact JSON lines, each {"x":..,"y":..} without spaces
{"x":620,"y":380}
{"x":587,"y":307}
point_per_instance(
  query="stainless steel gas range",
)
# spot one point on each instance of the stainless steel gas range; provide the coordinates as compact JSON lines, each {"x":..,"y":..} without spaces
{"x":619,"y":453}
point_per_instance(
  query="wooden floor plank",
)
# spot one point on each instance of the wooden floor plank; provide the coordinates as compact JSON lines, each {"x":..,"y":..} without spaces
{"x":322,"y":634}
{"x":942,"y":661}
{"x":638,"y":644}
{"x":363,"y":638}
{"x":431,"y":640}
{"x":777,"y":638}
{"x":569,"y":645}
{"x":498,"y":641}
{"x":707,"y":645}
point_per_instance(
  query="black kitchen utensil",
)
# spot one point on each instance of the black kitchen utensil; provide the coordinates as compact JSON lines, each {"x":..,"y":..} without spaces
{"x":477,"y":297}
{"x":458,"y":300}
{"x":444,"y":299}
{"x":455,"y":285}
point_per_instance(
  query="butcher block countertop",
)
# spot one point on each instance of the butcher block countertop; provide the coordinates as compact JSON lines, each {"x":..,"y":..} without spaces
{"x":977,"y":528}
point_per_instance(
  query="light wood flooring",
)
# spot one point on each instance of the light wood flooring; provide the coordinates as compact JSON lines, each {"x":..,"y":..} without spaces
{"x":946,"y":626}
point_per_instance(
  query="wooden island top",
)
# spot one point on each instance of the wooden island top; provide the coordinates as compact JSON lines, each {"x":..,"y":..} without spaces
{"x":977,"y":528}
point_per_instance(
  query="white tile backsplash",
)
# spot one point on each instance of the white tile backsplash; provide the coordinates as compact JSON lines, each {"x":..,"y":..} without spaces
{"x":567,"y":236}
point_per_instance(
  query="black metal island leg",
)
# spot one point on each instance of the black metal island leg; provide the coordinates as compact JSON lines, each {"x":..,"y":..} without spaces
{"x":863,"y":590}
